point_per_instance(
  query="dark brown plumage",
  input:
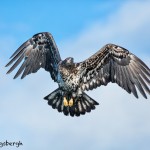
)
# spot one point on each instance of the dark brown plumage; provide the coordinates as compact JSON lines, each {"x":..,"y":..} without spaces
{"x":111,"y":63}
{"x":117,"y":65}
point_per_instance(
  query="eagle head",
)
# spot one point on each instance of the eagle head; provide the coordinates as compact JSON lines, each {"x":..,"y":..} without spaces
{"x":68,"y":61}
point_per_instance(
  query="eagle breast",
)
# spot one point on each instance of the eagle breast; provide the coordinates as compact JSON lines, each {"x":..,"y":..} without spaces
{"x":69,"y":74}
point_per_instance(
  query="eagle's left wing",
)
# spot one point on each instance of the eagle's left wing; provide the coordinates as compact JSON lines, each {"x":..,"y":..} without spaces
{"x":115,"y":64}
{"x":40,"y":51}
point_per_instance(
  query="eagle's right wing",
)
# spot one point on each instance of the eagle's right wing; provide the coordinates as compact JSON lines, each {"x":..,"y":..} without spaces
{"x":40,"y":51}
{"x":115,"y":64}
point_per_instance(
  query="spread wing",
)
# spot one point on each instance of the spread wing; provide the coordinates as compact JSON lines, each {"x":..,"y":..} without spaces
{"x":115,"y":64}
{"x":40,"y":51}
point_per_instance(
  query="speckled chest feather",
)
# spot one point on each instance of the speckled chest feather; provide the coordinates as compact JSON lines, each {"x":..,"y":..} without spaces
{"x":69,"y":77}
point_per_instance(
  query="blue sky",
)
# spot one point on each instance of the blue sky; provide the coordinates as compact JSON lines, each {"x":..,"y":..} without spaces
{"x":79,"y":29}
{"x":64,"y":18}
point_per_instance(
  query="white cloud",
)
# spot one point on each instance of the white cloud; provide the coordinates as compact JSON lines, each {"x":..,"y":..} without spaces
{"x":119,"y":120}
{"x":126,"y":27}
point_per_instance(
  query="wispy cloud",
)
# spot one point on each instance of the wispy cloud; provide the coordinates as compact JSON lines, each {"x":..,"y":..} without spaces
{"x":119,"y":122}
{"x":128,"y":26}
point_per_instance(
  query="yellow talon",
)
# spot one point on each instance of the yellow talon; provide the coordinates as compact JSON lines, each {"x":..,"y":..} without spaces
{"x":71,"y":102}
{"x":65,"y":102}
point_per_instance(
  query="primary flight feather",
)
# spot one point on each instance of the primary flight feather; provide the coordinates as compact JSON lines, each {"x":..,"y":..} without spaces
{"x":112,"y":63}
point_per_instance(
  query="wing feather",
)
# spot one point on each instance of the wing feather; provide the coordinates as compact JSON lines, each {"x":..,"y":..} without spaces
{"x":16,"y":64}
{"x":115,"y":64}
{"x":132,"y":85}
{"x":38,"y":52}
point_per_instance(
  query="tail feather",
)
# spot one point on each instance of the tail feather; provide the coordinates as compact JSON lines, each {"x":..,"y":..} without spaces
{"x":81,"y":105}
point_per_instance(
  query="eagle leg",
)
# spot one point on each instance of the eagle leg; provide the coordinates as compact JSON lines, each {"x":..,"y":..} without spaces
{"x":68,"y":103}
{"x":71,"y":102}
{"x":65,"y":102}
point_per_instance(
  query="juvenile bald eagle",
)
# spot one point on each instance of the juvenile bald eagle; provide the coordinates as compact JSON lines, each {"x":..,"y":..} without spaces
{"x":112,"y":63}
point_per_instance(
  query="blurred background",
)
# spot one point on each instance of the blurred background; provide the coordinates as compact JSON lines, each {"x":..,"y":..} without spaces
{"x":80,"y":28}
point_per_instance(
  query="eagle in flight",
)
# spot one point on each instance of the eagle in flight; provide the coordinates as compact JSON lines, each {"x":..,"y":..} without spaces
{"x":112,"y":63}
